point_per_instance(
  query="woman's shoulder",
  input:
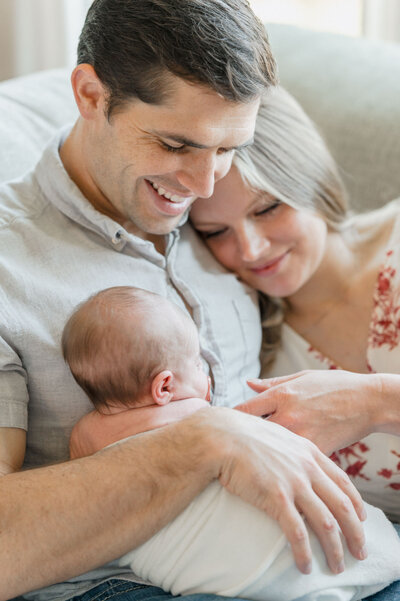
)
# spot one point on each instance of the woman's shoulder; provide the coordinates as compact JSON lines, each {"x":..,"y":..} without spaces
{"x":380,"y":224}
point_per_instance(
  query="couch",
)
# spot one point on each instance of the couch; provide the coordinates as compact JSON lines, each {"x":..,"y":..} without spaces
{"x":349,"y":86}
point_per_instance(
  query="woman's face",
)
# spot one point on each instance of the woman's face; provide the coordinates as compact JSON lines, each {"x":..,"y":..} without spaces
{"x":271,"y":246}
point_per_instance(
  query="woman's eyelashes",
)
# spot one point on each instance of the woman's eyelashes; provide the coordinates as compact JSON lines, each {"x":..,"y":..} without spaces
{"x":268,"y":209}
{"x":208,"y":235}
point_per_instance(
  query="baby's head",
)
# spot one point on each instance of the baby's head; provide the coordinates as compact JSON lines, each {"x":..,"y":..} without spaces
{"x":129,"y":347}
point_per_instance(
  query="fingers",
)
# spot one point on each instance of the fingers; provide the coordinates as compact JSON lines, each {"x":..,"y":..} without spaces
{"x":258,"y":406}
{"x":295,"y":530}
{"x":322,"y":522}
{"x":341,"y":479}
{"x":260,"y":385}
{"x":346,"y":505}
{"x":263,"y":405}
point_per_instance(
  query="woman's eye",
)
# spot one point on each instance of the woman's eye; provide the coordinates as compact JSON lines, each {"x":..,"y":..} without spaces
{"x":170,"y":148}
{"x":268,"y":209}
{"x":208,"y":235}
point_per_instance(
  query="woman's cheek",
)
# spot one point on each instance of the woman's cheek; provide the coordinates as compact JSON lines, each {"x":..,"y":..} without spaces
{"x":225,"y":253}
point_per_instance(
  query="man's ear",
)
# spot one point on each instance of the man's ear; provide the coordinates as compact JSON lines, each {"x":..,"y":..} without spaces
{"x":88,"y":90}
{"x":162,"y":387}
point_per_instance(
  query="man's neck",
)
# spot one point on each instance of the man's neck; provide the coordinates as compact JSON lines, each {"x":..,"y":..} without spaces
{"x":158,"y":241}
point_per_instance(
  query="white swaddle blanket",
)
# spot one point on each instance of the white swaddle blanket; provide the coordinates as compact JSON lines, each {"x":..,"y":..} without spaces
{"x":220,"y":544}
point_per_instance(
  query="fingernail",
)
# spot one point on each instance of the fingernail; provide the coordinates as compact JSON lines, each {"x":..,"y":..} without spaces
{"x":256,"y":380}
{"x":363,"y":553}
{"x":363,"y":513}
{"x":340,"y":567}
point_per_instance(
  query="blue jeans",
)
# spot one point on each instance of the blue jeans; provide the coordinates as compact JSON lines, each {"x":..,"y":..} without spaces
{"x":122,"y":590}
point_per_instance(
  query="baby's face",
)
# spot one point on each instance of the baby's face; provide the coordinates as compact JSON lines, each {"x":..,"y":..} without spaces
{"x":192,"y":381}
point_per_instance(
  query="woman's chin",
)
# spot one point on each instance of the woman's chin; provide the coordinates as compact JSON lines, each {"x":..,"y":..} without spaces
{"x":277,"y":289}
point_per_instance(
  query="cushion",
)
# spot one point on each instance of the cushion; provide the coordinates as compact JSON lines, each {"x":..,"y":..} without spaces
{"x":32,"y":108}
{"x":351,"y":88}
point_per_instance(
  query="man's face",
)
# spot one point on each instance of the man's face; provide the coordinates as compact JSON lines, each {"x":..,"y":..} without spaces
{"x":148,"y":163}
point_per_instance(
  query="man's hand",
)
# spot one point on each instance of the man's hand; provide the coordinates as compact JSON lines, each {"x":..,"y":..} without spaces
{"x":332,"y":408}
{"x":287,"y":477}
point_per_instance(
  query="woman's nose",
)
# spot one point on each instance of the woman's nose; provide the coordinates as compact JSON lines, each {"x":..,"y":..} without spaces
{"x":253,"y":244}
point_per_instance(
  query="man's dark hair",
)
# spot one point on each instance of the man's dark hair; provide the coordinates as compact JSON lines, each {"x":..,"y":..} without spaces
{"x":133,"y":45}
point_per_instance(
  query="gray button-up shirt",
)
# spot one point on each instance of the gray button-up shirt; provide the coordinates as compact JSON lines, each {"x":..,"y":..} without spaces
{"x":55,"y":251}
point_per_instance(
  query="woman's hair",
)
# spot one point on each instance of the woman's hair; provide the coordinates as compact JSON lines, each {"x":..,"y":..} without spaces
{"x":290,"y":160}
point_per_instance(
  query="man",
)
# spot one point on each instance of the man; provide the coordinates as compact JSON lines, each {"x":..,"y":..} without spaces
{"x":166,"y":91}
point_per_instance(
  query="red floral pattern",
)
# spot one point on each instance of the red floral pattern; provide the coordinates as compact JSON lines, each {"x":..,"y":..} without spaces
{"x":385,"y":325}
{"x":328,"y":362}
{"x":384,"y":332}
{"x":351,"y":460}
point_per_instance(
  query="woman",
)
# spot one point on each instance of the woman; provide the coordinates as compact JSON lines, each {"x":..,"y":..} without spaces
{"x":279,"y":219}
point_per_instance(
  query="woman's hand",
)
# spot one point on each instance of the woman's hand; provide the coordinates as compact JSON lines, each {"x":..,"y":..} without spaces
{"x":287,"y":477}
{"x":333,"y":408}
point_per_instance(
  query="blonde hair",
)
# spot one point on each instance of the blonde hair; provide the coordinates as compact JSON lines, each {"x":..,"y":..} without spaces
{"x":119,"y":339}
{"x":290,"y":161}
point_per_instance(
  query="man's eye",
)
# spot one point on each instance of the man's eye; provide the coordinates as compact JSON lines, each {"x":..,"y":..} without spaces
{"x":268,"y":209}
{"x":225,"y":150}
{"x":170,"y":148}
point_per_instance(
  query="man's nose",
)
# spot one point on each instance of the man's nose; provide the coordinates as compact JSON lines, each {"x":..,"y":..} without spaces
{"x":200,"y":173}
{"x":253,"y":243}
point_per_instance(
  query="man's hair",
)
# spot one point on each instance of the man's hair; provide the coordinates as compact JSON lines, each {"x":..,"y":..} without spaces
{"x":119,"y":339}
{"x":133,"y":45}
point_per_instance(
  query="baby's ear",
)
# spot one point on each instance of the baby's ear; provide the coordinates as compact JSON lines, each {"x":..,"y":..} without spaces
{"x":162,"y":387}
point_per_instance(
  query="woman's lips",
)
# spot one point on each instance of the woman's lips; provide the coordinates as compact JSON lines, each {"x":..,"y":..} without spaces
{"x":270,"y":266}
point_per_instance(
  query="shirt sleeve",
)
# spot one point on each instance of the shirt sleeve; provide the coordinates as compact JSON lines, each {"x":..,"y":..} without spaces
{"x":13,"y":389}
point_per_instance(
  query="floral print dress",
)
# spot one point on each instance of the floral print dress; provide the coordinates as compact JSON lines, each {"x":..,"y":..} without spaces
{"x":373,"y":463}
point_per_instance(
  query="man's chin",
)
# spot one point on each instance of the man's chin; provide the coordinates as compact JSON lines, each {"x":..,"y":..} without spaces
{"x":168,"y":225}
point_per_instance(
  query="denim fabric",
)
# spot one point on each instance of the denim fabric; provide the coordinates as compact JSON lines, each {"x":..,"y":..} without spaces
{"x":122,"y":590}
{"x":390,"y":593}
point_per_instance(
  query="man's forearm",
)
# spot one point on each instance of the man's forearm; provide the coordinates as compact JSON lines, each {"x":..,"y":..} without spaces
{"x":60,"y":521}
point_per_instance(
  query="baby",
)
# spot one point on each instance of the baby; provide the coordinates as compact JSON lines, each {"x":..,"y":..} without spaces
{"x":132,"y":349}
{"x":137,"y":357}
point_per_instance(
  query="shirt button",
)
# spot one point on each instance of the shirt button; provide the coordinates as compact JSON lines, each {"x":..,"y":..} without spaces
{"x":117,"y":238}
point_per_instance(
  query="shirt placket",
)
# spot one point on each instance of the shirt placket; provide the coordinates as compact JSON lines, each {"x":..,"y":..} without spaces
{"x":182,"y":292}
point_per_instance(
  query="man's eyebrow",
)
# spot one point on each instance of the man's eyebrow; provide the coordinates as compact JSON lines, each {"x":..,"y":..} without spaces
{"x":187,"y":142}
